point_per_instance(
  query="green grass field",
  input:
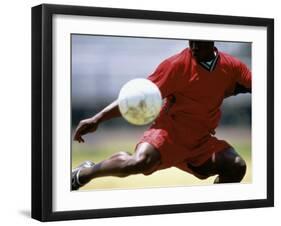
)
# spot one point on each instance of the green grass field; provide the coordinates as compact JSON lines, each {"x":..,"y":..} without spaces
{"x":105,"y":143}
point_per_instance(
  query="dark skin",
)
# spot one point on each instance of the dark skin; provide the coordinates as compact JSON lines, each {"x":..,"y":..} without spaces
{"x":146,"y":158}
{"x":202,"y":50}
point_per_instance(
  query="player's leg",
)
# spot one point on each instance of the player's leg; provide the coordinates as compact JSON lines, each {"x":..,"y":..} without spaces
{"x":227,"y":164}
{"x":230,"y":165}
{"x":122,"y":164}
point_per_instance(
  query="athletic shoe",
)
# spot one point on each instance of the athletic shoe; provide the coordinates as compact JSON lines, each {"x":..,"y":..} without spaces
{"x":75,"y":183}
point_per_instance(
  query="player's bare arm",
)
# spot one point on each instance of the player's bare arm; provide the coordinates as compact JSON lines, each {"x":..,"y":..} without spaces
{"x":90,"y":125}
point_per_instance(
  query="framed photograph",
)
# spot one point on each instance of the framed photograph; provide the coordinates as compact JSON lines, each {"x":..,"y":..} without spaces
{"x":139,"y":112}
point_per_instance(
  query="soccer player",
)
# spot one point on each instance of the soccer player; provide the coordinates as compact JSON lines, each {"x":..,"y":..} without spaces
{"x":194,"y":83}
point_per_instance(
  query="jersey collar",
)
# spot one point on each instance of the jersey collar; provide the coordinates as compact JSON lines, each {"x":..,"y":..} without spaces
{"x":210,"y":65}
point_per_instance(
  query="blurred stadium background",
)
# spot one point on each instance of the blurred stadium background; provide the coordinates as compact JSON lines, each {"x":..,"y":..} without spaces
{"x":102,"y":64}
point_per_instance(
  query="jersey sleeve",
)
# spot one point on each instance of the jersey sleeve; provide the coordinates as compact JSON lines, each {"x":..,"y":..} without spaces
{"x":242,"y":79}
{"x":243,"y":75}
{"x":166,"y":77}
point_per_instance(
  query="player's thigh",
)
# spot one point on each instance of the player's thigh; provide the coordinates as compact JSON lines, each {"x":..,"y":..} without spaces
{"x":147,"y":156}
{"x":207,"y":169}
{"x":224,"y":162}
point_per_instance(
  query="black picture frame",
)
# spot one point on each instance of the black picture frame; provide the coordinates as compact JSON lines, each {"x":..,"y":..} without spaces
{"x":42,"y":106}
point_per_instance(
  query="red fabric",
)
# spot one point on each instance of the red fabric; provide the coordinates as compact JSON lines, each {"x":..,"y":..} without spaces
{"x":183,"y":132}
{"x":178,"y":145}
{"x":198,"y":92}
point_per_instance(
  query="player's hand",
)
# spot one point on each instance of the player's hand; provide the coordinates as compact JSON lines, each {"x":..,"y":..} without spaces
{"x":85,"y":126}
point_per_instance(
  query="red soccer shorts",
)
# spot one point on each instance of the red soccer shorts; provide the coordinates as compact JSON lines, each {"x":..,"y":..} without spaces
{"x":179,"y":145}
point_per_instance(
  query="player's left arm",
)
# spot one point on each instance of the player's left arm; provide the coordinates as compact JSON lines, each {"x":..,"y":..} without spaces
{"x":242,"y":77}
{"x":241,"y":89}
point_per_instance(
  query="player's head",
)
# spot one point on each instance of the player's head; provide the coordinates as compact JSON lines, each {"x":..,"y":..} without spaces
{"x":202,"y":50}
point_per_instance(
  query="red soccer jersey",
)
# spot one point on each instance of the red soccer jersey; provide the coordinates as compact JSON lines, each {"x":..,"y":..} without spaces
{"x":183,"y":131}
{"x":193,"y":93}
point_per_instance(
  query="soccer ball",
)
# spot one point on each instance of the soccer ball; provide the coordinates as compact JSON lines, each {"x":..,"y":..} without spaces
{"x":139,"y":101}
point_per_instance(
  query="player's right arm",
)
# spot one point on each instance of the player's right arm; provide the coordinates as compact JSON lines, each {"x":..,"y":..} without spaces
{"x":90,"y":125}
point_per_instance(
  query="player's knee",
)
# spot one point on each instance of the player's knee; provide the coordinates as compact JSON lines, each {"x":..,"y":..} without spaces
{"x":234,"y":172}
{"x":232,"y":167}
{"x":240,"y":168}
{"x":144,"y":160}
{"x":141,"y":164}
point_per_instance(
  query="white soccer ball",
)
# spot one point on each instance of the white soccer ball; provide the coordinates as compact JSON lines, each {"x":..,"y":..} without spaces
{"x":139,"y":101}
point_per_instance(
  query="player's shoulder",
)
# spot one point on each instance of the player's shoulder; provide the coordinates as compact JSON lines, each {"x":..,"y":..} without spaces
{"x":178,"y":59}
{"x":227,"y":59}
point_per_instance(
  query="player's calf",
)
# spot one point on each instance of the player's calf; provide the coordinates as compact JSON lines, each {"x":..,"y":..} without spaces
{"x":145,"y":160}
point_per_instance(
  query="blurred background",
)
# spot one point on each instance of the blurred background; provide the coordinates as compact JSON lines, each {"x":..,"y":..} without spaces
{"x":102,"y":64}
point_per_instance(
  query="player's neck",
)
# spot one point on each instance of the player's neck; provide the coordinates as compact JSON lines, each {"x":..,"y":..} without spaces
{"x":210,"y":65}
{"x":210,"y":58}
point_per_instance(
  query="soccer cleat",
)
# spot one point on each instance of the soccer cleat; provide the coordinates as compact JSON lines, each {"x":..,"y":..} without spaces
{"x":75,"y":183}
